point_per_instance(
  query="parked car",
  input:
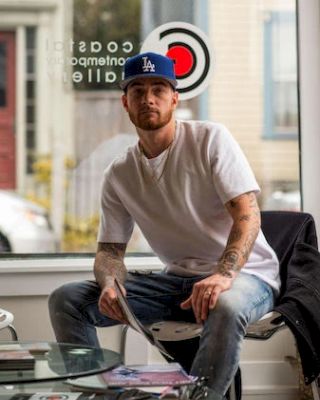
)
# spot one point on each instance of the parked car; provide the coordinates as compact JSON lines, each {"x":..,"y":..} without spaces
{"x":24,"y":226}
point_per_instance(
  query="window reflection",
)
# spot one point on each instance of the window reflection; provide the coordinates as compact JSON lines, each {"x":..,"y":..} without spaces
{"x":71,"y":125}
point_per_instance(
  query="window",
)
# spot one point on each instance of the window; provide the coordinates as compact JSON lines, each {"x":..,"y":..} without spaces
{"x":68,"y":123}
{"x":280,"y":74}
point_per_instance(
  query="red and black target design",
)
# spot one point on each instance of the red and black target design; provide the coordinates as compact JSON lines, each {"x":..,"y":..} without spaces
{"x":186,"y":59}
{"x":188,"y":46}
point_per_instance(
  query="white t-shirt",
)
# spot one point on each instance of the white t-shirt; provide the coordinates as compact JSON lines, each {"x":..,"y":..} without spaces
{"x":177,"y":199}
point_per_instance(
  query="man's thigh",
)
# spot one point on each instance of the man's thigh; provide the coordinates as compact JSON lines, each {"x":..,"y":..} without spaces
{"x":157,"y":296}
{"x":152,"y":297}
{"x":249,"y":297}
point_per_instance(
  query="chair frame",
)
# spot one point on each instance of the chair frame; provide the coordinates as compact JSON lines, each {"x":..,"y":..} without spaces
{"x":6,"y":319}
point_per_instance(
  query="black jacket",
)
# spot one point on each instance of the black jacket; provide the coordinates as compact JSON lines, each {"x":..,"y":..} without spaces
{"x":293,"y":237}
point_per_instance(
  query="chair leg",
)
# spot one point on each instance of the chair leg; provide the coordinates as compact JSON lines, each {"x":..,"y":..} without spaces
{"x":235,"y":389}
{"x":315,"y":389}
{"x":13,"y":333}
{"x":123,"y":340}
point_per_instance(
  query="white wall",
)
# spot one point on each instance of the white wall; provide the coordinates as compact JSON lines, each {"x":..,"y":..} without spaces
{"x":309,"y":64}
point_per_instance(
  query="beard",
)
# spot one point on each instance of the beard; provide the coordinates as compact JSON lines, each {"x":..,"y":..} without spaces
{"x":146,"y":122}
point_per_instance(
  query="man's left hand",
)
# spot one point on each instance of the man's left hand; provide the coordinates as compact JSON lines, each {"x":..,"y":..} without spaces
{"x":205,"y":294}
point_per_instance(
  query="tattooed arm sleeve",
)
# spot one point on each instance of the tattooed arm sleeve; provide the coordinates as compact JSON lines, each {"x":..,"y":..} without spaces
{"x":109,"y":263}
{"x":245,"y":213}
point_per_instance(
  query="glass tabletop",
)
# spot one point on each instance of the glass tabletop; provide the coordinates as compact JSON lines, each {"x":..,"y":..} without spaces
{"x":26,"y":362}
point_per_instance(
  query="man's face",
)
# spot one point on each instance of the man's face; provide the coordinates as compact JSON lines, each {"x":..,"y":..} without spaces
{"x":150,"y":102}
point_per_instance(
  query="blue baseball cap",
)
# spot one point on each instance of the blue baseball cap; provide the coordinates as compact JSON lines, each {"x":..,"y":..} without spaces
{"x":149,"y":65}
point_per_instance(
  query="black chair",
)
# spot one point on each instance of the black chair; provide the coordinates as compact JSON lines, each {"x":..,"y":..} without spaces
{"x":282,"y":230}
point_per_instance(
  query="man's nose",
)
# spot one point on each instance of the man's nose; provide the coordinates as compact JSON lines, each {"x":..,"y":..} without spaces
{"x":148,"y":96}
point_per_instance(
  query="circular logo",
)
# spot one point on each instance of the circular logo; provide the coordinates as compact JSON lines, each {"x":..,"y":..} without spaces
{"x":188,"y":46}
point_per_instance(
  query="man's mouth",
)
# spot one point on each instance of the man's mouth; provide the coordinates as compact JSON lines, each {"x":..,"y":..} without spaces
{"x":149,"y":111}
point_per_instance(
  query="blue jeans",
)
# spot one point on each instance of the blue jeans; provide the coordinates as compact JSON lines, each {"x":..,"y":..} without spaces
{"x":156,"y":297}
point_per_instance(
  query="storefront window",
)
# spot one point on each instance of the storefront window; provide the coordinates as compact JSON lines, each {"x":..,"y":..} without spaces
{"x":68,"y":119}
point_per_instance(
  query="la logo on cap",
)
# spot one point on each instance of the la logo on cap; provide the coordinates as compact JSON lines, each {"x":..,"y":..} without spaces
{"x":147,"y":65}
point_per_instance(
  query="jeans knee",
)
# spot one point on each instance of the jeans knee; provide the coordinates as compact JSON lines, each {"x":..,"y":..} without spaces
{"x":230,"y":313}
{"x":61,"y":298}
{"x":56,"y":299}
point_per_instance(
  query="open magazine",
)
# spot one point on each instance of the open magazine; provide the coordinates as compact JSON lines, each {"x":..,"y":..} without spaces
{"x":135,"y":323}
{"x":155,"y":378}
{"x":171,"y":374}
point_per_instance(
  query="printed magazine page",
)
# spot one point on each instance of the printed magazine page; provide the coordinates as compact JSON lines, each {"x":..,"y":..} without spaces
{"x":171,"y":374}
{"x":135,"y":323}
{"x":155,"y":378}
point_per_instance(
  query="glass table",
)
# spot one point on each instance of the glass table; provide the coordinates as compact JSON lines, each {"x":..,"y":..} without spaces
{"x":55,"y":366}
{"x":51,"y":361}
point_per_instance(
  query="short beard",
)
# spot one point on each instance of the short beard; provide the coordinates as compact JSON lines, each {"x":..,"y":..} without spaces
{"x":148,"y":125}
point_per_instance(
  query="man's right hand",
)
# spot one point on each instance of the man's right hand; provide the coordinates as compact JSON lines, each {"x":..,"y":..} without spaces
{"x":108,"y":304}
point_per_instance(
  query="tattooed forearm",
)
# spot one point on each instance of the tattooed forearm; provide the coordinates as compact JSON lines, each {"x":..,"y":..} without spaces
{"x":235,"y":235}
{"x":229,"y":262}
{"x":109,"y":263}
{"x":249,"y":242}
{"x":245,"y":217}
{"x":246,"y":224}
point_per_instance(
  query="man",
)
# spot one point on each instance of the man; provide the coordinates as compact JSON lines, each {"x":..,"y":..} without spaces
{"x":190,"y":189}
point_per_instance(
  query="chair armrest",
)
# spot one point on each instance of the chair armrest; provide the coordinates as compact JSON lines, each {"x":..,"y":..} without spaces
{"x":6,"y":318}
{"x":171,"y":331}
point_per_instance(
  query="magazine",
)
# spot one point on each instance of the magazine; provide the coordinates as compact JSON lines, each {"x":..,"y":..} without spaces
{"x":135,"y":323}
{"x":152,"y":378}
{"x":44,"y":396}
{"x":171,"y":374}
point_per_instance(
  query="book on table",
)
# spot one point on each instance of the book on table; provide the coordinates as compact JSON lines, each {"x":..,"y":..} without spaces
{"x":16,"y":359}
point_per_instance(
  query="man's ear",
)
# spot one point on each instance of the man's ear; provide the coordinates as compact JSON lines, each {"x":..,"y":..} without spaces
{"x":124,"y":102}
{"x":175,"y":99}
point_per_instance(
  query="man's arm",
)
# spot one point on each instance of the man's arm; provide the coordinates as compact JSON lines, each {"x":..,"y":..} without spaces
{"x":245,"y":213}
{"x":108,"y":265}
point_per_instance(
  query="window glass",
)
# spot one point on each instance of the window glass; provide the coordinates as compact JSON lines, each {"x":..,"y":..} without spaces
{"x":281,"y":111}
{"x":73,"y":125}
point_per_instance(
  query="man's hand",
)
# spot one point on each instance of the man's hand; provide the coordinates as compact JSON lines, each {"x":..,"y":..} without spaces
{"x":205,"y":294}
{"x":109,"y":305}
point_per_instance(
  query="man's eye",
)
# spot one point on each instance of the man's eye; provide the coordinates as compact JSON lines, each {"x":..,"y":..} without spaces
{"x":137,"y":92}
{"x":158,"y":90}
